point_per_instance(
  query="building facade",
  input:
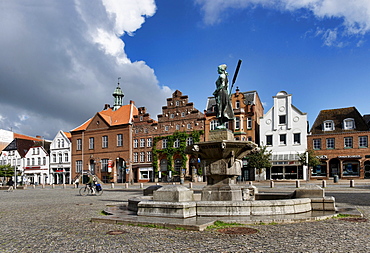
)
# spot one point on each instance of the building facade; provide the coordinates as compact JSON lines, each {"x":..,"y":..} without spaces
{"x":60,"y":159}
{"x":36,"y":169}
{"x":284,"y":133}
{"x":103,"y":144}
{"x":340,"y":138}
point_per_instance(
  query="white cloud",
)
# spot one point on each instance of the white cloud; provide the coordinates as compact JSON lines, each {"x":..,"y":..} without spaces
{"x":59,"y":62}
{"x":354,"y":14}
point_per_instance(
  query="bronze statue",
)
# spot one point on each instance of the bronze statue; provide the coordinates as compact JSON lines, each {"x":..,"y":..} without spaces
{"x":224,"y":110}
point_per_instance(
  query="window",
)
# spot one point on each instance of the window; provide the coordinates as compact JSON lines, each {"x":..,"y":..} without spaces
{"x":135,"y":157}
{"x":148,"y":156}
{"x":316,"y":144}
{"x":66,"y":158}
{"x":79,"y":166}
{"x":348,"y":142}
{"x":189,"y":126}
{"x":297,"y":138}
{"x":214,"y":124}
{"x":237,"y":123}
{"x":142,"y":157}
{"x":62,"y":143}
{"x":249,"y":123}
{"x":172,"y":116}
{"x":38,"y":160}
{"x":79,"y":144}
{"x":330,"y":143}
{"x":282,"y":139}
{"x":91,"y":143}
{"x":164,"y":143}
{"x":136,"y":143}
{"x":105,"y":141}
{"x":149,"y":142}
{"x":178,"y":165}
{"x":58,"y":143}
{"x":44,"y":160}
{"x":351,"y":168}
{"x":141,"y":118}
{"x":166,"y":128}
{"x":362,"y":142}
{"x":142,"y":143}
{"x":328,"y":125}
{"x":119,"y":140}
{"x":177,"y":103}
{"x":177,"y":127}
{"x":28,"y":162}
{"x":237,"y":104}
{"x":269,"y":140}
{"x":60,"y":157}
{"x":189,"y":141}
{"x":176,"y":144}
{"x":54,"y":158}
{"x":32,"y":161}
{"x":349,"y":124}
{"x":282,"y":119}
{"x":183,"y":114}
{"x":104,"y":165}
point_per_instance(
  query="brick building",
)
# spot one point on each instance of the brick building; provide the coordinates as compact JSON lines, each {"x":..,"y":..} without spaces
{"x":179,"y":125}
{"x":340,"y":138}
{"x":103,"y":144}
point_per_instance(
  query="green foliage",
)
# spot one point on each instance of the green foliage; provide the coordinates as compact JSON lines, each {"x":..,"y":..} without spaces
{"x":260,"y":159}
{"x":6,"y":170}
{"x":312,"y":158}
{"x":170,"y":151}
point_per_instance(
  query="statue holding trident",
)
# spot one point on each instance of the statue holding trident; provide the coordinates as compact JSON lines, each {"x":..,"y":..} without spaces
{"x":224,"y":110}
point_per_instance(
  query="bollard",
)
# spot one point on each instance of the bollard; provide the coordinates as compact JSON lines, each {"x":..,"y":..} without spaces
{"x":351,"y":183}
{"x":190,"y":185}
{"x":173,"y":183}
{"x":336,"y":178}
{"x":141,"y":185}
{"x":64,"y":186}
{"x":126,"y":185}
{"x":297,"y":184}
{"x":157,"y":183}
{"x":34,"y":186}
{"x":43,"y":186}
{"x":272,"y":184}
{"x":53,"y":186}
{"x":323,"y":183}
{"x":112,"y":185}
{"x":250,"y":183}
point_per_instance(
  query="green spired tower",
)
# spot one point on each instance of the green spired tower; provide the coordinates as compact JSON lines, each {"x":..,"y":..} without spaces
{"x":118,"y":97}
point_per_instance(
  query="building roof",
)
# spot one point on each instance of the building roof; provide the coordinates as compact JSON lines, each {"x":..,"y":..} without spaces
{"x":338,"y":116}
{"x":123,"y":115}
{"x":26,"y":137}
{"x":21,"y":145}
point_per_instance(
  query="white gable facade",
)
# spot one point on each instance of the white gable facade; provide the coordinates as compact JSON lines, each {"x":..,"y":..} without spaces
{"x":283,"y":130}
{"x":36,"y":170}
{"x":60,"y":159}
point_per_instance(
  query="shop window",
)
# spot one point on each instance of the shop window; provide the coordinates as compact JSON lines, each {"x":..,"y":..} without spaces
{"x":319,"y":171}
{"x":351,"y":168}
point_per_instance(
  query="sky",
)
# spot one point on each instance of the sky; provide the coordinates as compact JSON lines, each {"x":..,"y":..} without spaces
{"x":60,"y":60}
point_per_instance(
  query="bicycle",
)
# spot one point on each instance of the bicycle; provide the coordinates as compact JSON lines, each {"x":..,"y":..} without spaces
{"x":96,"y":190}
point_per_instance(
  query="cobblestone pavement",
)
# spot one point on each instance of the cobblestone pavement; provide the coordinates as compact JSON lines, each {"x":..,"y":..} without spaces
{"x":58,"y":220}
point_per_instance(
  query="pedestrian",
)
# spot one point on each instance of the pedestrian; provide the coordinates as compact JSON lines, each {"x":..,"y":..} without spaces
{"x":77,"y":182}
{"x":11,"y":185}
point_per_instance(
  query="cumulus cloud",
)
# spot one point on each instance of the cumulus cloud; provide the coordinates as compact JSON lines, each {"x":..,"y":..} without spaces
{"x":354,"y":15}
{"x":60,"y":60}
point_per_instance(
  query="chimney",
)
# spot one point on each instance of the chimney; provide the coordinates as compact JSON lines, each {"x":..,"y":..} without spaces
{"x":132,"y":102}
{"x":106,"y":106}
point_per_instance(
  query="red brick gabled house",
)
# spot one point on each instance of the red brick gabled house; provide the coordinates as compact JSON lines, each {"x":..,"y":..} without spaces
{"x":103,"y":144}
{"x":340,"y":138}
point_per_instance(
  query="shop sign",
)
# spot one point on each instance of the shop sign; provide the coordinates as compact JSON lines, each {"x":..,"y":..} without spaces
{"x":349,"y":156}
{"x":322,"y":157}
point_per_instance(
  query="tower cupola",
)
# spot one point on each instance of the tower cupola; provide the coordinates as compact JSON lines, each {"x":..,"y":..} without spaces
{"x":118,"y":97}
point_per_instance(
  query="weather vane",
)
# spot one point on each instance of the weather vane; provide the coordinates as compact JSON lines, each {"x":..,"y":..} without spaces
{"x":119,"y":78}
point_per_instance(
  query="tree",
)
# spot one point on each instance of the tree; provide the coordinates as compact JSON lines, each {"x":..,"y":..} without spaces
{"x":259,"y":160}
{"x":6,"y":170}
{"x":309,"y":158}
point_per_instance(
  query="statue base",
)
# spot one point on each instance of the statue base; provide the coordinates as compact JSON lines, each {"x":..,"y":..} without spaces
{"x":221,"y":135}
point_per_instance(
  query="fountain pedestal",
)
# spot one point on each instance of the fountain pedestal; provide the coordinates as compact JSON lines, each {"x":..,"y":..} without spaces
{"x":222,"y":163}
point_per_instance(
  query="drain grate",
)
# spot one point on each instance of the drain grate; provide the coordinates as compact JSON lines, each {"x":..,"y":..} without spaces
{"x":238,"y":231}
{"x":116,"y":232}
{"x":353,"y":219}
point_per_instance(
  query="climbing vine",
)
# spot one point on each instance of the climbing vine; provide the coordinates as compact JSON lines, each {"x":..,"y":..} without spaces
{"x":171,"y":150}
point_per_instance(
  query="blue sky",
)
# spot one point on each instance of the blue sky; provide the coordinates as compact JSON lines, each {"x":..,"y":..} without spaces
{"x":60,"y":61}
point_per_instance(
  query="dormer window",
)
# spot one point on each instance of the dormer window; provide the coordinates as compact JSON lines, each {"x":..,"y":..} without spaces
{"x":328,"y":125}
{"x":349,"y":124}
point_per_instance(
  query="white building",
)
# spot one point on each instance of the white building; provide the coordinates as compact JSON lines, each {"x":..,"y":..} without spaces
{"x":60,"y":159}
{"x":36,"y":170}
{"x":283,"y":129}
